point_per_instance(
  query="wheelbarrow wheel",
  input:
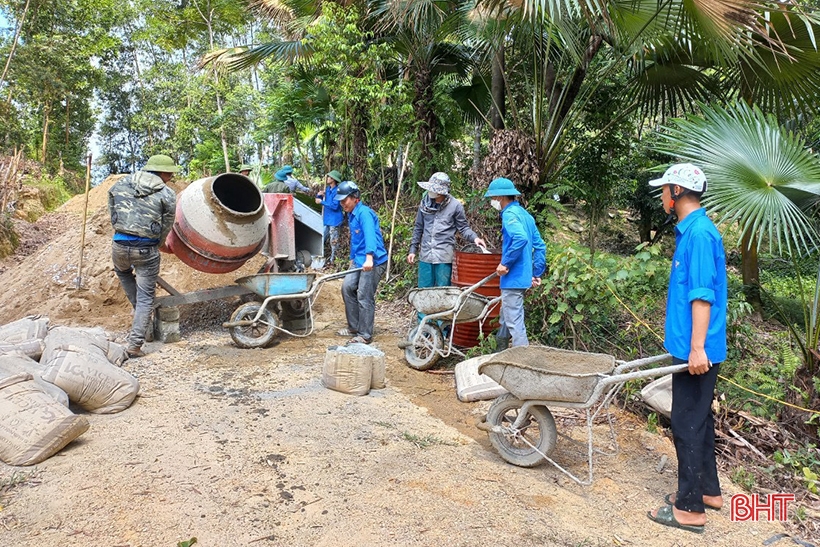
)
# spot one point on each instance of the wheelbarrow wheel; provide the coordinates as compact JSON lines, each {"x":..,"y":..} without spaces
{"x":424,"y":353}
{"x":516,"y":447}
{"x":253,"y":336}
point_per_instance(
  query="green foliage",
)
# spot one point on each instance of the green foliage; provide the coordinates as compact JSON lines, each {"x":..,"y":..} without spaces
{"x":743,"y":478}
{"x":805,"y":462}
{"x":652,"y":423}
{"x":53,"y":190}
{"x":187,"y":543}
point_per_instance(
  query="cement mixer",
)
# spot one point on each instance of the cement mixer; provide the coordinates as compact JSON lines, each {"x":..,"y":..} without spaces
{"x":224,"y":221}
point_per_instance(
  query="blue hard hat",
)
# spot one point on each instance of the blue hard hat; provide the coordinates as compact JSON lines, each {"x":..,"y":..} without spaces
{"x":501,"y":187}
{"x":281,"y":175}
{"x":347,"y":188}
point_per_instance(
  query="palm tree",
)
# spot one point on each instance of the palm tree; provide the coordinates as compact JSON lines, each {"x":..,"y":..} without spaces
{"x":765,"y":179}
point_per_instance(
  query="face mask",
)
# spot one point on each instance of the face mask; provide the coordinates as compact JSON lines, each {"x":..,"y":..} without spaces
{"x":432,"y":195}
{"x":495,"y":204}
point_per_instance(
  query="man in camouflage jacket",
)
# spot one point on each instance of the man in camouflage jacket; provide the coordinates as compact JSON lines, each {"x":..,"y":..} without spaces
{"x":142,"y":214}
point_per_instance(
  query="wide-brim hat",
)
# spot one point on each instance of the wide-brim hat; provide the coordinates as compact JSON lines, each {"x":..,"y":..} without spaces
{"x":281,"y":175}
{"x":245,"y":167}
{"x":501,"y":187}
{"x":684,"y":175}
{"x":439,"y":183}
{"x":161,"y":163}
{"x":287,"y":169}
{"x":335,"y":175}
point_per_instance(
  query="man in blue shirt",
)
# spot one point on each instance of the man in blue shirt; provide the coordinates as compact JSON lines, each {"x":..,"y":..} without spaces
{"x":332,"y":215}
{"x":367,"y":252}
{"x":523,"y":259}
{"x":695,"y":334}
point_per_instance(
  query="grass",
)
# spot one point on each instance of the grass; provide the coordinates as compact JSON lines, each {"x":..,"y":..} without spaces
{"x":426,"y":441}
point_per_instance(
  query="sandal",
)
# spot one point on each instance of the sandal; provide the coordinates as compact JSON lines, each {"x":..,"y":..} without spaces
{"x":345,"y":332}
{"x":669,"y":499}
{"x":666,"y":516}
{"x":359,"y":340}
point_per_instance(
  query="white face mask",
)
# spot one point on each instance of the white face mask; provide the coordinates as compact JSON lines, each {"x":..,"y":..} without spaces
{"x":432,"y":195}
{"x":495,"y":204}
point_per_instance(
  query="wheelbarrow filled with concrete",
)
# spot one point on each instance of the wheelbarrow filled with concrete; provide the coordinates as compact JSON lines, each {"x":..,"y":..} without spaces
{"x":521,"y":426}
{"x":288,"y":301}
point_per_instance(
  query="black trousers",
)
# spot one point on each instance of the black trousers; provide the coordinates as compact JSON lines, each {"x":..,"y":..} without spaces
{"x":693,"y":429}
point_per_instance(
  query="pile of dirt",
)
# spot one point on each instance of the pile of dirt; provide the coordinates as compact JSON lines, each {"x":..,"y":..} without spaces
{"x":46,"y":282}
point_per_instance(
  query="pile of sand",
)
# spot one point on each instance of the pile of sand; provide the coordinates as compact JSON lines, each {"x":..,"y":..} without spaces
{"x":46,"y":281}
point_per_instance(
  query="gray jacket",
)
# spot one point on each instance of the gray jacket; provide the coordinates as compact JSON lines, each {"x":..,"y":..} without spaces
{"x":436,"y":227}
{"x":142,"y":205}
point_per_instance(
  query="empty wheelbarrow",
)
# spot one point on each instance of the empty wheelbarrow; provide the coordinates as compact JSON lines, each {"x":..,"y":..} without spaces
{"x":521,"y":426}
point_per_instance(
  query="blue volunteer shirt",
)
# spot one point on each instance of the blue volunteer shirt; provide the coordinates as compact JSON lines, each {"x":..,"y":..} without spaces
{"x":365,"y":236}
{"x":332,"y":214}
{"x":698,"y":273}
{"x":523,"y":250}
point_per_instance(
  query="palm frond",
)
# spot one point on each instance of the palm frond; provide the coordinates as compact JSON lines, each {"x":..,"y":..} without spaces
{"x":759,"y":174}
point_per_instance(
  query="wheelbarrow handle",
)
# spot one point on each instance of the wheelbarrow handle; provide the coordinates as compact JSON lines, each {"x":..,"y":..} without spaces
{"x":337,"y":275}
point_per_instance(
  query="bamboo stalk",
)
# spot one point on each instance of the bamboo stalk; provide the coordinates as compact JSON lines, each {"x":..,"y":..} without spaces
{"x":395,"y":209}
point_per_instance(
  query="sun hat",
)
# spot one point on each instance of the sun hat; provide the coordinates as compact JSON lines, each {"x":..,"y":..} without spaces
{"x":161,"y":163}
{"x":501,"y":187}
{"x":684,"y":175}
{"x":335,"y":175}
{"x":439,"y":183}
{"x":281,"y":175}
{"x":287,"y":169}
{"x":245,"y":167}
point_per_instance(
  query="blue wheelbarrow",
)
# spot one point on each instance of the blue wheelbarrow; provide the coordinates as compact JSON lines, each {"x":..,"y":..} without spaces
{"x":288,"y":299}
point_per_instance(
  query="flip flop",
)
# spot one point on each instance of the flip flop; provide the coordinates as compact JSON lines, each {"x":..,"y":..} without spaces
{"x":668,"y":500}
{"x":666,"y":517}
{"x":359,"y":340}
{"x":345,"y":332}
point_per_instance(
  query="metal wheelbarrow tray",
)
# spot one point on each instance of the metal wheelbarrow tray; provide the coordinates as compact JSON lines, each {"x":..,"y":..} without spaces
{"x":433,"y":300}
{"x":520,"y":424}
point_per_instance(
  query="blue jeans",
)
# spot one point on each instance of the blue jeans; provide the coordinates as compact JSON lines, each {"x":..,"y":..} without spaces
{"x":332,"y":235}
{"x":512,"y":317}
{"x":693,"y":430}
{"x":359,"y":294}
{"x":138,"y":269}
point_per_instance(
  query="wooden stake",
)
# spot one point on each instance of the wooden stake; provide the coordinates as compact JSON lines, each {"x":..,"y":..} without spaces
{"x":85,"y":214}
{"x":395,"y":209}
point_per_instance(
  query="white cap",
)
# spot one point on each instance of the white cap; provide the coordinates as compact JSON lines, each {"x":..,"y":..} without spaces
{"x":684,"y":175}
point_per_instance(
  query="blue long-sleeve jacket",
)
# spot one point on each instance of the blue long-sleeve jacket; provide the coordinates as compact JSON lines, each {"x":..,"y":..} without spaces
{"x":332,"y":214}
{"x":365,"y":236}
{"x":523,"y":250}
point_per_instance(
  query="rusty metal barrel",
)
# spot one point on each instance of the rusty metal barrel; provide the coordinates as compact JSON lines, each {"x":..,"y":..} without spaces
{"x":468,"y":269}
{"x":220,"y":223}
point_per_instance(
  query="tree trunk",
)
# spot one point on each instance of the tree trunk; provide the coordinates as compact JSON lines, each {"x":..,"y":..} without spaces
{"x":477,"y":147}
{"x":67,"y":118}
{"x":426,"y":119}
{"x":360,"y":123}
{"x":498,"y":90}
{"x":14,"y":45}
{"x":750,"y":270}
{"x":46,"y":113}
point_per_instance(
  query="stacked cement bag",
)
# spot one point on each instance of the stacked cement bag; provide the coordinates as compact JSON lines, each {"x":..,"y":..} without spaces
{"x":33,"y":426}
{"x":12,"y":364}
{"x":24,"y":336}
{"x":83,"y":363}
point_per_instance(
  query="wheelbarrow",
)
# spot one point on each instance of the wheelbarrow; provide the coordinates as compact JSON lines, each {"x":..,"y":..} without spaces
{"x":254,"y":324}
{"x":521,"y":426}
{"x":443,"y":307}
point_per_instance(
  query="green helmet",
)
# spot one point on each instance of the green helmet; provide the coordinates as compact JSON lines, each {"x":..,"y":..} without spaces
{"x":161,"y":163}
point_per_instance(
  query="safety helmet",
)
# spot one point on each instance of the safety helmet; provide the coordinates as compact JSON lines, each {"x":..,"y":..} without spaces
{"x":684,"y":175}
{"x":501,"y":187}
{"x":347,"y":188}
{"x":160,"y":163}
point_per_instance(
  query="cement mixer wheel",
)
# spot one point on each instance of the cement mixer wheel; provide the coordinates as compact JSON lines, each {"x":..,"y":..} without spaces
{"x":258,"y":335}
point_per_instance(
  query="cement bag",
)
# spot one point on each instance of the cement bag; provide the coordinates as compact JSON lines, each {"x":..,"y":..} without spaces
{"x":92,"y":382}
{"x":11,"y":365}
{"x":348,"y":372}
{"x":32,"y":347}
{"x":93,"y":339}
{"x":472,"y":386}
{"x":33,"y":326}
{"x":658,"y":395}
{"x":33,"y":426}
